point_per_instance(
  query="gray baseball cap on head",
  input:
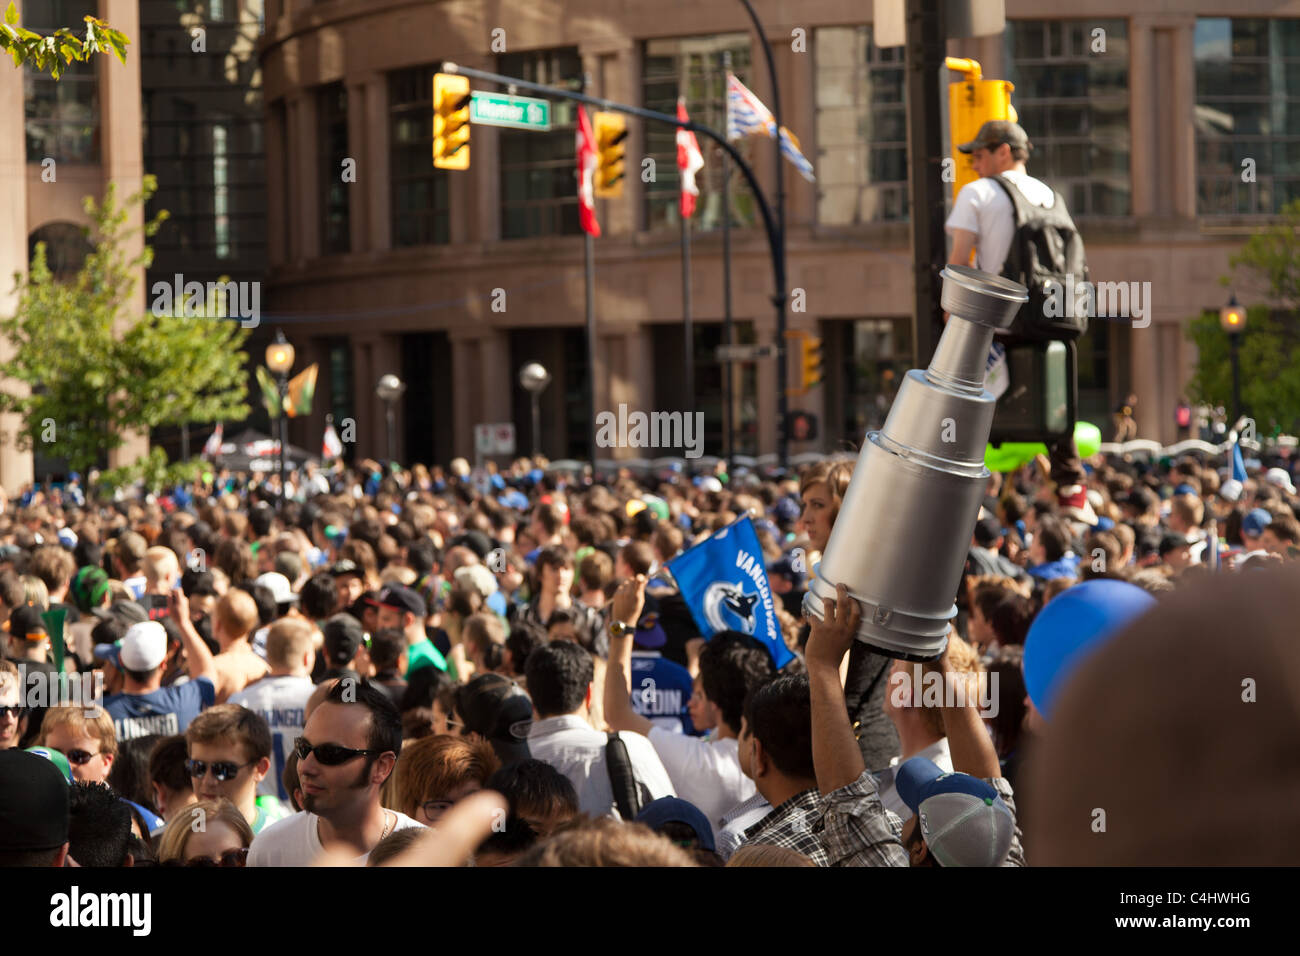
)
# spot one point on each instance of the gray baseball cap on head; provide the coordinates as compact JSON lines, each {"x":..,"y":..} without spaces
{"x":995,"y":133}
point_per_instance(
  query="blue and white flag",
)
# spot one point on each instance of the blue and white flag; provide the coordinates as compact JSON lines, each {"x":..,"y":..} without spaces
{"x":1238,"y":466}
{"x":724,"y":582}
{"x":746,"y":114}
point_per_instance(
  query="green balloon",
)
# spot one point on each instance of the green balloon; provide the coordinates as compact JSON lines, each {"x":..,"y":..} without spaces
{"x":1009,"y":456}
{"x":1087,"y":438}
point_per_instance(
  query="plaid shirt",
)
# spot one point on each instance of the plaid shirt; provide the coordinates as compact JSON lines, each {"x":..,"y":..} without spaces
{"x":858,"y":830}
{"x":794,"y":825}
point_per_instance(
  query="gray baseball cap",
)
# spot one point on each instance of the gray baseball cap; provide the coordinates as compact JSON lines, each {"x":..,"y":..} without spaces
{"x":995,"y":133}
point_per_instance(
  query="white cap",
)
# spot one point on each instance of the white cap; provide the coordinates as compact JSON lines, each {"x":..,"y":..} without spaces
{"x":144,"y":646}
{"x":479,"y":578}
{"x":278,"y":585}
{"x":710,"y":483}
{"x":1279,"y":477}
{"x":1230,"y":490}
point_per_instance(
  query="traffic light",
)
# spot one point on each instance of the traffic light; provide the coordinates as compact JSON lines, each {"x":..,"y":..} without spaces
{"x":811,"y":363}
{"x":610,"y":130}
{"x":451,"y":100}
{"x":972,"y":102}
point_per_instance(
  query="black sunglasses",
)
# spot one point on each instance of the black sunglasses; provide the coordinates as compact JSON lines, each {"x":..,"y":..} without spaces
{"x":78,"y":757}
{"x":223,"y":770}
{"x":230,"y":858}
{"x":12,"y":710}
{"x":331,"y":755}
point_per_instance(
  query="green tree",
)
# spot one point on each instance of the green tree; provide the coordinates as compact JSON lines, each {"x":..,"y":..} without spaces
{"x":51,"y":53}
{"x":96,"y":371}
{"x":1268,"y":268}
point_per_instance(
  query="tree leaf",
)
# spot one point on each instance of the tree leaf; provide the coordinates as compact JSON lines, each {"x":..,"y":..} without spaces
{"x":11,"y":13}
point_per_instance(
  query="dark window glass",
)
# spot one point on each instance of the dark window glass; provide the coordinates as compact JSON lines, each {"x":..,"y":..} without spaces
{"x":421,"y":201}
{"x":694,"y":67}
{"x":1071,"y":94}
{"x":335,"y":222}
{"x":539,"y":189}
{"x":861,"y":129}
{"x":1247,"y":115}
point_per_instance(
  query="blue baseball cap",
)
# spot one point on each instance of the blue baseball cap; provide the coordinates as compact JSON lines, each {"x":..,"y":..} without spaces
{"x":1255,"y":522}
{"x":676,"y":810}
{"x":514,"y":499}
{"x":1184,"y":490}
{"x":962,"y":818}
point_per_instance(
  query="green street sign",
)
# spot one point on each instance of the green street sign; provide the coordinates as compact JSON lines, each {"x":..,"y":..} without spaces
{"x":516,"y":112}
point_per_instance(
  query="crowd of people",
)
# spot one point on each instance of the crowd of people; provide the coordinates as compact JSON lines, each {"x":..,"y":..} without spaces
{"x":414,"y":666}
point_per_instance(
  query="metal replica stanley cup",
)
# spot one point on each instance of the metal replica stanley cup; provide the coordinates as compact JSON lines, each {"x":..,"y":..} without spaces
{"x":903,"y":531}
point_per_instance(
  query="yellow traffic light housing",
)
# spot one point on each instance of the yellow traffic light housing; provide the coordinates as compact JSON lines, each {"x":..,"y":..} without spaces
{"x":811,"y":365}
{"x":810,"y":361}
{"x":451,"y":99}
{"x":972,"y":102}
{"x":610,"y":130}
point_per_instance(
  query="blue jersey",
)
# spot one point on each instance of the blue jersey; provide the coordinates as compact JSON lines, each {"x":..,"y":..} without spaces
{"x":166,"y":711}
{"x":661,"y":691}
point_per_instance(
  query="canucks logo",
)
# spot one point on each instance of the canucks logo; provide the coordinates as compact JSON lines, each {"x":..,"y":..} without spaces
{"x":729,"y":608}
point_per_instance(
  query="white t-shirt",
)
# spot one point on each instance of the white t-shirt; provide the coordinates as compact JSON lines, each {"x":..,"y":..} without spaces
{"x":937,"y":752}
{"x":984,"y":209}
{"x":576,"y":749}
{"x":282,"y":702}
{"x":705,"y":772}
{"x":295,"y":841}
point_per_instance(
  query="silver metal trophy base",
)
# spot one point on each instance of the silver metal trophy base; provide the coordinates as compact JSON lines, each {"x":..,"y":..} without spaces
{"x":892,"y":632}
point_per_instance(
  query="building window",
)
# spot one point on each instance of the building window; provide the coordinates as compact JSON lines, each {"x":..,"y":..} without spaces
{"x":334,"y":221}
{"x":693,"y":67}
{"x":66,"y":248}
{"x":866,"y":360}
{"x":539,"y":195}
{"x":1074,"y":105}
{"x":709,"y":388}
{"x":221,"y":190}
{"x":421,"y":202}
{"x":62,"y":116}
{"x":1247,"y":116}
{"x":861,"y":128}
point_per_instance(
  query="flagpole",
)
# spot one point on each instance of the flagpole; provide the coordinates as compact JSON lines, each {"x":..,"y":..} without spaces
{"x":589,"y":265}
{"x":689,"y":325}
{"x":728,"y":329}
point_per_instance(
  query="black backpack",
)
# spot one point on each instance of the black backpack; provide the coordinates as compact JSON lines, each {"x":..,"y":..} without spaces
{"x":1048,"y":258}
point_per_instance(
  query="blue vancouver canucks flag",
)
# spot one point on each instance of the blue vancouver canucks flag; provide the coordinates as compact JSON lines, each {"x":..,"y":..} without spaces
{"x":724,"y":582}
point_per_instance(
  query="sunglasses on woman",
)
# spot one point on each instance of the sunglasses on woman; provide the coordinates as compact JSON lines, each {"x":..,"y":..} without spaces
{"x":331,"y":755}
{"x":12,"y":710}
{"x":78,"y":757}
{"x":223,"y":770}
{"x":228,"y":859}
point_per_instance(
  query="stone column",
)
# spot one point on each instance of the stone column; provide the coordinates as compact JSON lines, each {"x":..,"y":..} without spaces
{"x":15,"y":465}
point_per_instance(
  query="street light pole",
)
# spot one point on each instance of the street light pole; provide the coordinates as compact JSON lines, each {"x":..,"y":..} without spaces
{"x":1232,"y":318}
{"x":279,"y":359}
{"x":390,"y":389}
{"x":534,"y":378}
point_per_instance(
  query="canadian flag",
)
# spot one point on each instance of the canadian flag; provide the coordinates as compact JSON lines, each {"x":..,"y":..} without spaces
{"x":331,"y":447}
{"x":586,"y":173}
{"x":689,"y":161}
{"x":213,"y":445}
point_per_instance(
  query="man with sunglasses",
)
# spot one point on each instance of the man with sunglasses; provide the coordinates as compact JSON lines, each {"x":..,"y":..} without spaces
{"x":229,"y":756}
{"x":12,"y":714}
{"x":347,"y":751}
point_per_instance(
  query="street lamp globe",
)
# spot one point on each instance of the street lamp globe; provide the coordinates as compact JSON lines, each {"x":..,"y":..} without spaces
{"x":534,"y":377}
{"x":1232,"y":317}
{"x":279,"y":355}
{"x":390,"y":387}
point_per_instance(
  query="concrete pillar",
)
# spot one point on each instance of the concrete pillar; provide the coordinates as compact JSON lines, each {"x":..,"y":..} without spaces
{"x":1145,"y":131}
{"x":1181,"y":117}
{"x":15,"y":465}
{"x":464,"y":364}
{"x":122,"y":160}
{"x":378,"y":189}
{"x":358,"y":207}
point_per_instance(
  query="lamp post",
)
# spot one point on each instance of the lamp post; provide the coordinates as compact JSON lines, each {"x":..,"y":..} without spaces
{"x":1232,"y":317}
{"x":390,"y":389}
{"x":279,"y":359}
{"x":534,"y":378}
